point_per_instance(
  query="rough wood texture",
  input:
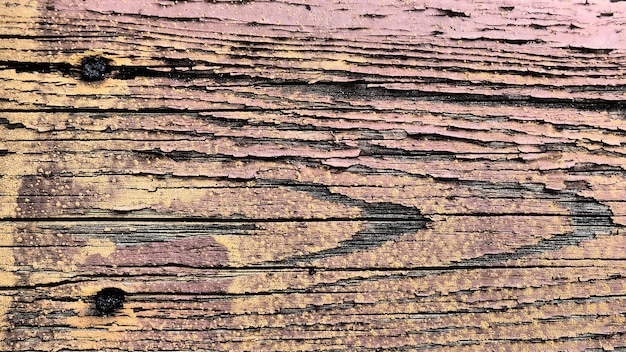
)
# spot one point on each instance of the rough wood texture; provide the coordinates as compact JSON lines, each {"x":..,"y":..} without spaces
{"x":315,"y":175}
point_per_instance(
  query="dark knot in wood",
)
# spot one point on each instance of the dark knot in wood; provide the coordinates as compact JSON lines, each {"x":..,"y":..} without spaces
{"x":94,"y":68}
{"x":109,"y":299}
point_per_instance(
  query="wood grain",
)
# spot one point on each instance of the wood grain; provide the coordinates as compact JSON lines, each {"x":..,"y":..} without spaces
{"x":262,"y":175}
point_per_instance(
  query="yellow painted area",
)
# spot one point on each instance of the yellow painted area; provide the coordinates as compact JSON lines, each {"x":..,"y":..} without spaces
{"x":277,"y":241}
{"x":25,"y":54}
{"x":91,"y":330}
{"x":95,"y":246}
{"x":69,"y":261}
{"x":387,"y":300}
{"x":453,"y":239}
{"x":288,"y":52}
{"x":94,"y":339}
{"x":7,"y":198}
{"x":233,"y":247}
{"x":16,"y":18}
{"x":124,"y":320}
{"x":222,"y":202}
{"x":19,"y":17}
{"x":76,"y":58}
{"x":334,"y":65}
{"x":37,"y":89}
{"x":8,"y":207}
{"x":7,"y":278}
{"x":11,"y":164}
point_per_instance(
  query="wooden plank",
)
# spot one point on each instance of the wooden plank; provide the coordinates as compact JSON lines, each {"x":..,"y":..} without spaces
{"x":364,"y":161}
{"x":261,"y":175}
{"x":181,"y":297}
{"x":512,"y":309}
{"x":454,"y":241}
{"x":264,"y":55}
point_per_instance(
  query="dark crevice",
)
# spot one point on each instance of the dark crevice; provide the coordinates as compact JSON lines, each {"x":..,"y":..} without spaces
{"x":41,"y":67}
{"x":351,"y":91}
{"x":11,"y":126}
{"x":585,"y":50}
{"x":452,"y":13}
{"x":502,"y":40}
{"x":179,"y":71}
{"x":588,"y":217}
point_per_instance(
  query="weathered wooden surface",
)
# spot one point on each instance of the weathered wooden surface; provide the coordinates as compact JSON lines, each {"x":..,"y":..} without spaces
{"x":314,"y":175}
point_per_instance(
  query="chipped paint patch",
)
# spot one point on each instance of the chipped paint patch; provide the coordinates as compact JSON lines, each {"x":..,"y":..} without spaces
{"x":283,"y":240}
{"x":95,"y":246}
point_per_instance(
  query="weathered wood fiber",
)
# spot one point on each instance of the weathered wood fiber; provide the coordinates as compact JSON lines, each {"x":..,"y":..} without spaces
{"x":262,"y":175}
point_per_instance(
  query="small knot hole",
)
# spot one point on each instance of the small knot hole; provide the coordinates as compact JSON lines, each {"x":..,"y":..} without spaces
{"x":94,"y":68}
{"x":109,"y":299}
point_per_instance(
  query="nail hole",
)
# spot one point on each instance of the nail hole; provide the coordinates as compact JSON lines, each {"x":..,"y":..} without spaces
{"x":109,"y":299}
{"x":94,"y":68}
